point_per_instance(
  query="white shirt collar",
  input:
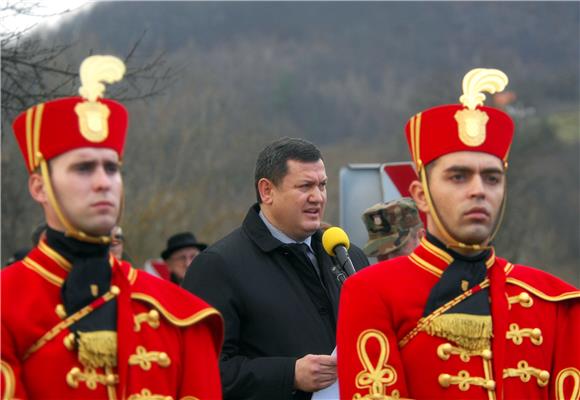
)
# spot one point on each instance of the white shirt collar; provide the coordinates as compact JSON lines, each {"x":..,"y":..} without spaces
{"x":281,"y":236}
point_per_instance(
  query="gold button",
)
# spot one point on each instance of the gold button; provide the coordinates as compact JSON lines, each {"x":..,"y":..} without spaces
{"x":69,"y":341}
{"x":544,"y":375}
{"x":486,"y":354}
{"x":443,"y":351}
{"x":71,"y":377}
{"x":490,"y":384}
{"x":111,"y":379}
{"x":60,"y":311}
{"x":536,"y":333}
{"x":445,"y":380}
{"x":115,"y":290}
{"x":154,"y":314}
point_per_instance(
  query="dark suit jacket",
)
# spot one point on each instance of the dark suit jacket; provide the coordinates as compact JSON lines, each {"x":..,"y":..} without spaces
{"x":272,"y":316}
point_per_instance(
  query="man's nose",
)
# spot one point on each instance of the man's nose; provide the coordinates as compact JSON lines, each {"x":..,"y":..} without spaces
{"x":477,"y":188}
{"x":317,"y":195}
{"x":102,"y":180}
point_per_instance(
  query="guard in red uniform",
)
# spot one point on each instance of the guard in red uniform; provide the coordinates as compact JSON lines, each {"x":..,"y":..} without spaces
{"x":452,"y":320}
{"x":78,"y":323}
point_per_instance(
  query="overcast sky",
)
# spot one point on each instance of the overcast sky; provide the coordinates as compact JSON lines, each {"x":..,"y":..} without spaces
{"x":44,"y":14}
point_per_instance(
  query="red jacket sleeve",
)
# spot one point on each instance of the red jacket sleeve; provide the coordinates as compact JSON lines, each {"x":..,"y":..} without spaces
{"x":200,"y":377}
{"x":369,"y":362}
{"x":11,"y":384}
{"x":565,"y":379}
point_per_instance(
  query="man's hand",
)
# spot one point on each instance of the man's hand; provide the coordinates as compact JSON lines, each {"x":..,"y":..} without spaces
{"x":314,"y":372}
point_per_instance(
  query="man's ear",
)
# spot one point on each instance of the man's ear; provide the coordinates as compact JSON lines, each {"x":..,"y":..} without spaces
{"x":418,"y":195}
{"x":421,"y":233}
{"x":36,"y":188}
{"x":266,"y":189}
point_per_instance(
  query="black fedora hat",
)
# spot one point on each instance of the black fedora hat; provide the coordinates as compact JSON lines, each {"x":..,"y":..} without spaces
{"x":179,"y":241}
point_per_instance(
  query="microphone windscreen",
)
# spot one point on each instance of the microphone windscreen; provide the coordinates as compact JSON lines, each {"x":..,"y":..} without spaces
{"x":333,"y":237}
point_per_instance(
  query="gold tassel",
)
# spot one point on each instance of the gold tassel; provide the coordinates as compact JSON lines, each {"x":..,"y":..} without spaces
{"x":98,"y":349}
{"x":471,"y":332}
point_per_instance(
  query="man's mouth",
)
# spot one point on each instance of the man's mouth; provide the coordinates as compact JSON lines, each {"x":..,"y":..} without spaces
{"x":477,"y":213}
{"x":102,"y":204}
{"x":314,"y":212}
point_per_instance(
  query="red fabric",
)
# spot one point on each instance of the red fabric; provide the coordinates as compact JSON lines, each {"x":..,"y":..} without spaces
{"x":59,"y":130}
{"x":439,"y":135}
{"x":189,"y":332}
{"x":388,"y":299}
{"x":402,"y":176}
{"x":162,"y":269}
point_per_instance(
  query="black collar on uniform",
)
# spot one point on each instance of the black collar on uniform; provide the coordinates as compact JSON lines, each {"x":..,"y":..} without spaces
{"x":89,"y":278}
{"x":73,"y":249}
{"x":463,"y":273}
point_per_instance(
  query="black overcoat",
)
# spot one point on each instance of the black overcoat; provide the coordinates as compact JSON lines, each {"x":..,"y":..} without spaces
{"x":271,"y":317}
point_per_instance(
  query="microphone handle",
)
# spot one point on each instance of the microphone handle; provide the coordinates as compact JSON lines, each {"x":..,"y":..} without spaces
{"x":344,"y":260}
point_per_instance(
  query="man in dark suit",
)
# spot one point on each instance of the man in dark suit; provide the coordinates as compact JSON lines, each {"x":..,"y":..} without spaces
{"x":274,"y":284}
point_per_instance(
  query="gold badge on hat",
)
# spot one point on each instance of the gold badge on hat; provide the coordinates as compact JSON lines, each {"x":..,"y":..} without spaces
{"x":93,"y":115}
{"x":471,"y":123}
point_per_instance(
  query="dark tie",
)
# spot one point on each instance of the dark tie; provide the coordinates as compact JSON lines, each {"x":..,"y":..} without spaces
{"x":308,"y":256}
{"x":312,"y":282}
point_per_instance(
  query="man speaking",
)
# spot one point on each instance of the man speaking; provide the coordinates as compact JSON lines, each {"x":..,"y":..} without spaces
{"x":274,"y":283}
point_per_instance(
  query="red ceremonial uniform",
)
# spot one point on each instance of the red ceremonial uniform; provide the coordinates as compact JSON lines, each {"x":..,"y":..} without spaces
{"x":76,"y":322}
{"x":440,"y":324}
{"x":168,"y":339}
{"x":385,"y":349}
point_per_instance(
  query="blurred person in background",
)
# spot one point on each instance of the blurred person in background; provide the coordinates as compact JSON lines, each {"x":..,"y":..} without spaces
{"x":394,"y":229}
{"x":181,"y":250}
{"x":117,"y":242}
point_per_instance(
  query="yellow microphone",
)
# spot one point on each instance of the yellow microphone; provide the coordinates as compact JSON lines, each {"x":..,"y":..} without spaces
{"x":336,"y":243}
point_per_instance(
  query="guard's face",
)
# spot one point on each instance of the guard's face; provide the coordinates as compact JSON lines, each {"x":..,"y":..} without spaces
{"x":297,"y":204}
{"x":88,"y":187}
{"x":467,"y":189}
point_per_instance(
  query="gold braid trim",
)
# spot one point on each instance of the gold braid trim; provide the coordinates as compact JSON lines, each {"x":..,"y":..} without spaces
{"x":436,"y":251}
{"x":418,"y":261}
{"x":58,"y":328}
{"x":375,"y":376}
{"x":54,"y":256}
{"x":145,"y":359}
{"x":181,"y":322}
{"x":9,"y":380}
{"x":425,"y":321}
{"x":98,"y":348}
{"x":471,"y":332}
{"x":564,"y":296}
{"x":91,"y":378}
{"x":36,"y":267}
{"x":566,"y":373}
{"x":525,"y":372}
{"x":146,"y":394}
{"x":30,"y":152}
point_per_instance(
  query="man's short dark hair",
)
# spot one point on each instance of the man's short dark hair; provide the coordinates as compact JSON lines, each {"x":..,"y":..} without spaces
{"x":272,"y":162}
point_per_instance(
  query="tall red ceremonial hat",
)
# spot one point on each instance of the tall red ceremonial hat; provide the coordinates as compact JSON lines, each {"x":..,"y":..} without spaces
{"x":49,"y":129}
{"x":469,"y":126}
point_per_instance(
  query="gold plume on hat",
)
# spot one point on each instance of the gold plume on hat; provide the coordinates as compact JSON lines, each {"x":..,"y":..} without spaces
{"x":479,"y":80}
{"x":97,"y":69}
{"x":94,"y":115}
